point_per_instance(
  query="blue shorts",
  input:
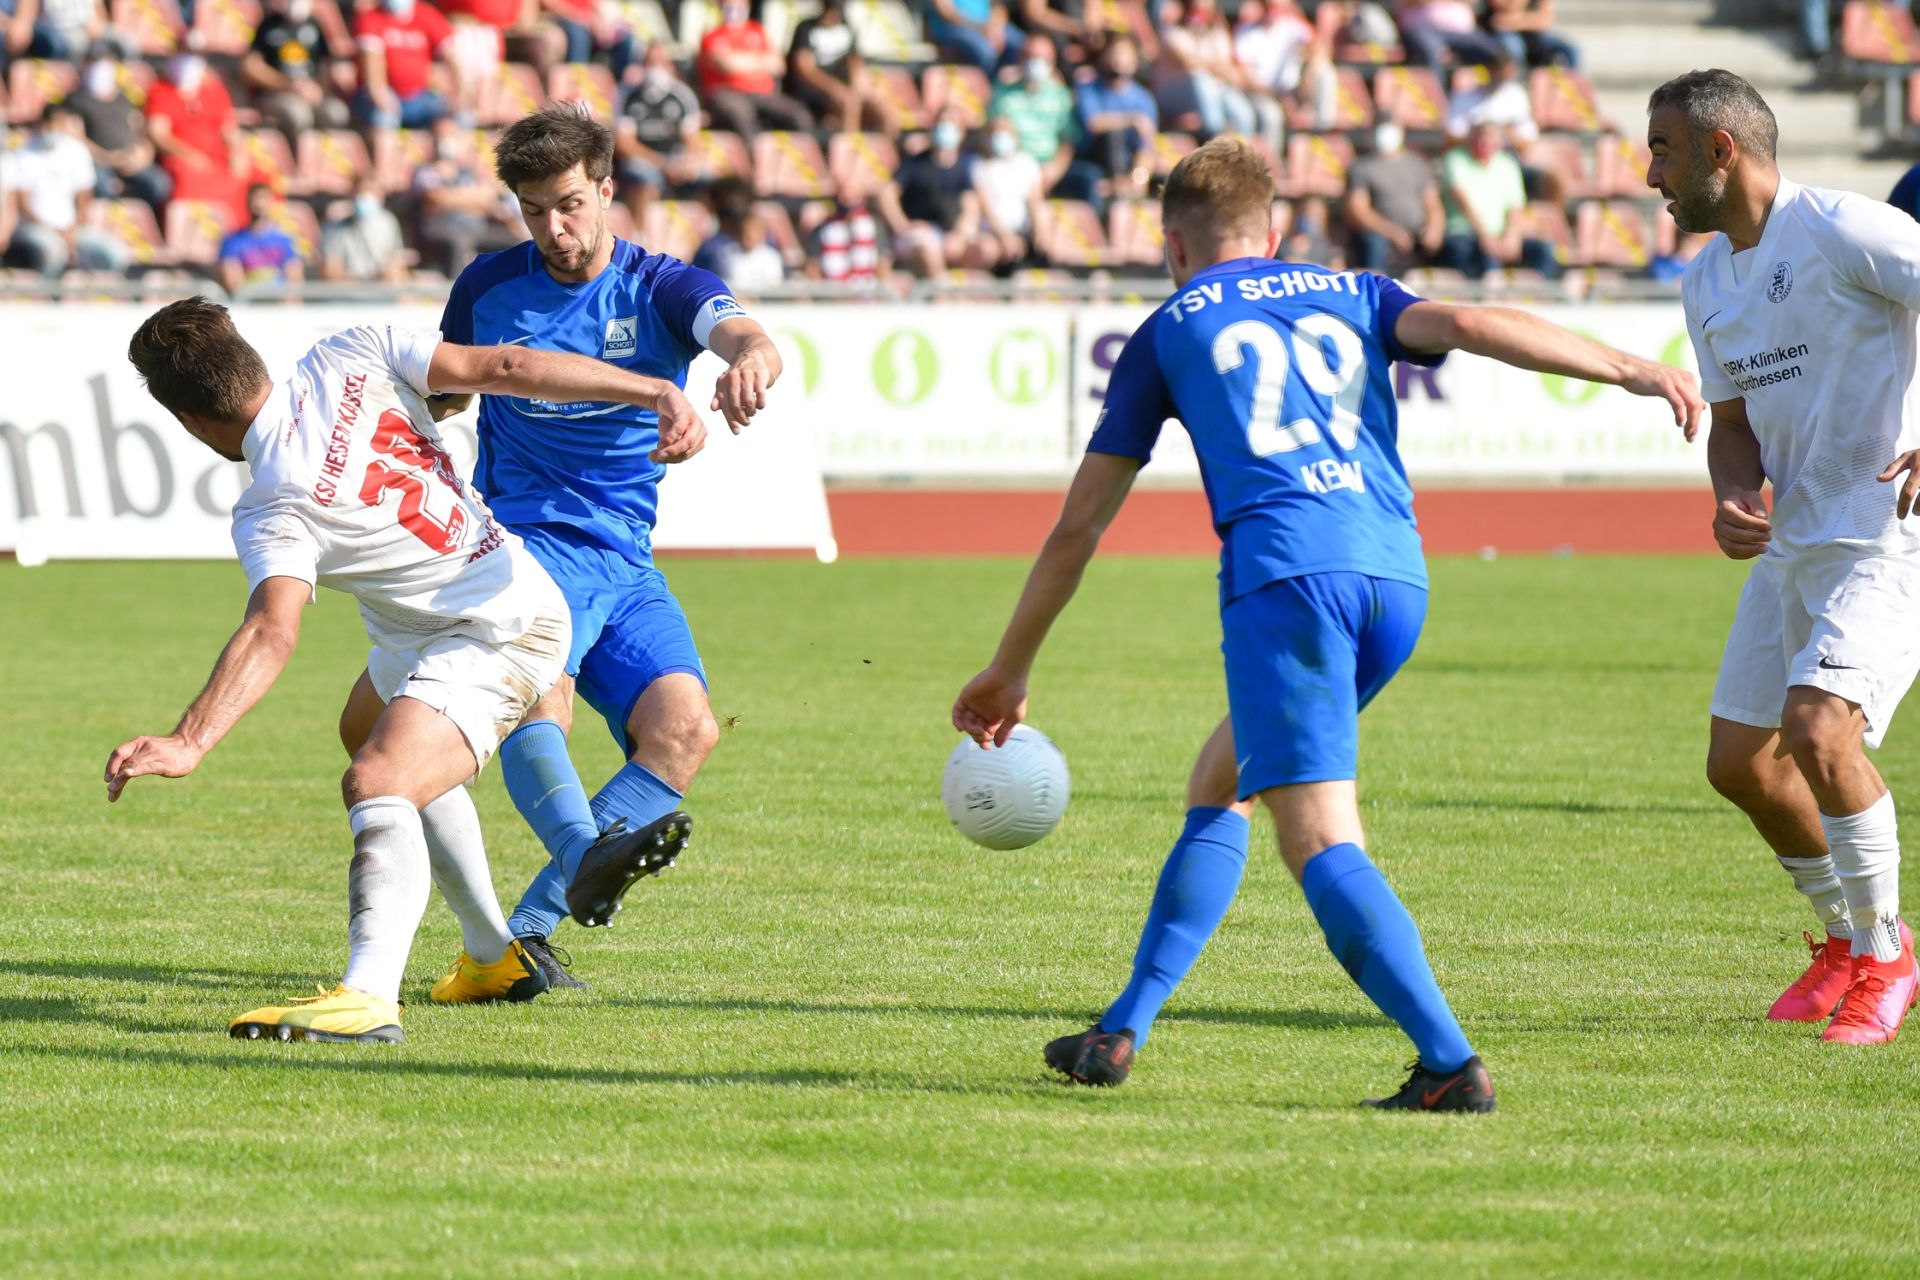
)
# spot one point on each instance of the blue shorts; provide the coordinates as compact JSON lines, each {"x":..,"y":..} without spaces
{"x":628,"y":630}
{"x":1304,"y":655}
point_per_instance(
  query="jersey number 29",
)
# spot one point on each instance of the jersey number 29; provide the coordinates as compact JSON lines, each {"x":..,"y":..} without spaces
{"x":1345,"y":387}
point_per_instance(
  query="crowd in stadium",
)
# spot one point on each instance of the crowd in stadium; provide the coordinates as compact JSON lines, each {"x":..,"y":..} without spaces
{"x":350,"y":141}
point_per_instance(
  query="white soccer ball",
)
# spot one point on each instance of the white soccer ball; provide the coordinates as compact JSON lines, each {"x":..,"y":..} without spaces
{"x":1006,"y":797}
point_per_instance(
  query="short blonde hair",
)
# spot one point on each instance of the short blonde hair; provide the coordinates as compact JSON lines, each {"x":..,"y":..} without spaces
{"x":1226,"y":185}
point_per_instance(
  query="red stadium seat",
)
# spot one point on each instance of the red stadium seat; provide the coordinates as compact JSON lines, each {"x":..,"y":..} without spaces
{"x":1613,"y":234}
{"x":297,"y":219}
{"x":964,"y":90}
{"x":398,"y":153}
{"x":677,"y":227}
{"x":155,"y":25}
{"x":225,"y":28}
{"x":1666,"y":232}
{"x":721,"y":155}
{"x":588,"y":83}
{"x":1070,"y":235}
{"x":515,"y":92}
{"x":1317,"y":164}
{"x":870,"y":157}
{"x":1566,"y":157}
{"x":896,"y":87}
{"x":620,"y":222}
{"x":781,"y":233}
{"x":1542,"y":221}
{"x":331,"y":160}
{"x":195,"y":229}
{"x":1412,"y":96}
{"x":1134,"y":233}
{"x":1352,"y":105}
{"x":790,"y":166}
{"x":1876,"y":32}
{"x":1168,"y":148}
{"x":273,"y":161}
{"x":34,"y":82}
{"x":1620,"y":167}
{"x":1564,"y":99}
{"x":130,"y":222}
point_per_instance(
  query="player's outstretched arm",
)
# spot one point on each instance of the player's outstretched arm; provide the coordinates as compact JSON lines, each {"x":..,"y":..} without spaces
{"x":1740,"y":522}
{"x":248,"y":666}
{"x":563,"y":376}
{"x":753,"y":366}
{"x":1525,"y":340}
{"x":996,"y":700}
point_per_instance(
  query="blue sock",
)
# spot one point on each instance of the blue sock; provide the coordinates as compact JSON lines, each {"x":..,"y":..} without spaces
{"x":635,"y":793}
{"x":546,"y":790}
{"x":1378,"y":944}
{"x":1196,"y":887}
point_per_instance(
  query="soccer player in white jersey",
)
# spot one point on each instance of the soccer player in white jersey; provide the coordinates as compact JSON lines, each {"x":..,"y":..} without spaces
{"x":1802,"y":314}
{"x":352,"y":490}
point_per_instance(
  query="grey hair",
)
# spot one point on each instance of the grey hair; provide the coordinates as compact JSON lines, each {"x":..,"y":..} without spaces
{"x":1720,"y":100}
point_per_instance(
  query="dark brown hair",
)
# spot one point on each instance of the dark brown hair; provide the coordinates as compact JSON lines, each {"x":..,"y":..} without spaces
{"x":1714,"y":100}
{"x":550,"y":142}
{"x":1227,"y":183}
{"x":194,"y":361}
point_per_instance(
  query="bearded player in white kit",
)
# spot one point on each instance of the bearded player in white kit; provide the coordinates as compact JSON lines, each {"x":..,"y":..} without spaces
{"x":1802,"y":316}
{"x":352,"y":490}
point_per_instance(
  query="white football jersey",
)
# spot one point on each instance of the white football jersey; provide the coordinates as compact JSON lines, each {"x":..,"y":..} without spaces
{"x":1814,"y":328}
{"x":353,"y":490}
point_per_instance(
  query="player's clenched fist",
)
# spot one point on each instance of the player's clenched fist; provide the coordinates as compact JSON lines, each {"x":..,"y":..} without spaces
{"x":682,"y":433}
{"x":1741,"y":526}
{"x":741,"y":391}
{"x":990,"y":706}
{"x":169,"y":757}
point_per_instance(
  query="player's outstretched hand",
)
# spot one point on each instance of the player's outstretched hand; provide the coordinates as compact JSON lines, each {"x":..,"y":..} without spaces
{"x":168,"y":757}
{"x":989,"y":707}
{"x":1909,"y":463}
{"x":1677,"y":387}
{"x":1741,"y":527}
{"x":682,"y":434}
{"x":741,"y":391}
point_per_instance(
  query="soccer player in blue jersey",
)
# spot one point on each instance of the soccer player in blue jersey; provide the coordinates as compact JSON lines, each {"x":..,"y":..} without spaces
{"x":1280,"y":374}
{"x":577,"y":483}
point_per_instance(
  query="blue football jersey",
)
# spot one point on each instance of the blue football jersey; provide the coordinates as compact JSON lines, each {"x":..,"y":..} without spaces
{"x":582,"y":465}
{"x":1280,"y":373}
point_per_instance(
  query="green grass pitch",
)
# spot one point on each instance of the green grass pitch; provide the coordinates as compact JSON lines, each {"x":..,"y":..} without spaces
{"x":814,"y":1048}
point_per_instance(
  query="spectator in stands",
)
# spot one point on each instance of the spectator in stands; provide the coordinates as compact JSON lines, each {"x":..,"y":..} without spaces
{"x":1667,"y":268}
{"x":740,"y":251}
{"x":1118,"y":120}
{"x":116,"y":132}
{"x":1276,"y":44}
{"x":261,"y":252}
{"x":462,"y":211}
{"x":1501,"y":100}
{"x":362,"y":240}
{"x":191,"y":122}
{"x":526,"y":34}
{"x":1064,"y":21}
{"x":974,"y":32}
{"x":845,"y":248}
{"x":931,"y":208}
{"x":590,"y":29}
{"x":287,"y":68}
{"x":64,"y":30}
{"x":1310,"y":236}
{"x":825,"y":71}
{"x":1393,"y":211}
{"x":1037,"y":102}
{"x":9,"y":197}
{"x":1197,"y":79}
{"x":739,"y":77}
{"x":1523,"y":28}
{"x":398,"y":42}
{"x":1436,"y":30}
{"x":1486,"y":199}
{"x":1816,"y":27}
{"x":53,"y":179}
{"x":658,"y":116}
{"x":1010,"y":189}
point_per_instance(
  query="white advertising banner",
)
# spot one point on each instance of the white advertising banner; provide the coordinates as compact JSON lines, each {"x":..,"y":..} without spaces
{"x":91,"y":467}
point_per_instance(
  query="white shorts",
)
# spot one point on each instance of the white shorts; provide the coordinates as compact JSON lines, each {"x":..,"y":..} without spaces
{"x":1848,"y":624}
{"x":485,"y":689}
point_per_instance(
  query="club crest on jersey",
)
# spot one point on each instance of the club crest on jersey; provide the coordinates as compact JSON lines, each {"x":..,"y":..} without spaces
{"x":1782,"y":282}
{"x":623,"y":338}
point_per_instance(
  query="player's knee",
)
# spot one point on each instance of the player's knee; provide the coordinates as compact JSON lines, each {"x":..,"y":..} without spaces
{"x":686,"y":737}
{"x":1734,"y":774}
{"x":1819,"y":734}
{"x":365,"y":779}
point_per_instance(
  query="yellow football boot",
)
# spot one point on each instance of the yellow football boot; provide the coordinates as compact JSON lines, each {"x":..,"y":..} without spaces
{"x":340,"y":1014}
{"x":514,"y":976}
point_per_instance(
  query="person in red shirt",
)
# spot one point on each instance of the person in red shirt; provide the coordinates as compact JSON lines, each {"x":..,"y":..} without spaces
{"x":738,"y":77}
{"x":191,"y":122}
{"x":398,"y":43}
{"x":524,"y":34}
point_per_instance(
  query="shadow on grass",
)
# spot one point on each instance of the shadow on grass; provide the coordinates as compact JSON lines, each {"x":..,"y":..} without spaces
{"x":1300,"y":1019}
{"x":204,"y":976}
{"x":66,"y":1010}
{"x":1492,"y":805}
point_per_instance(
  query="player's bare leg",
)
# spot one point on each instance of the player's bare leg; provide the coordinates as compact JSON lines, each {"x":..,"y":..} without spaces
{"x":1826,"y":736}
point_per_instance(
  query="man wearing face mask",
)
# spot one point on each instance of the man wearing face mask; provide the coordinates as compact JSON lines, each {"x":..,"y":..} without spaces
{"x":287,"y":68}
{"x":932,"y":210}
{"x":825,"y":71}
{"x":123,"y":155}
{"x":1037,"y":102}
{"x":191,"y":121}
{"x":362,"y":241}
{"x":657,"y":117}
{"x":1118,"y":119}
{"x":1393,"y":205}
{"x":55,"y":175}
{"x":461,"y":209}
{"x":739,"y":77}
{"x":1009,"y":189}
{"x":399,"y":41}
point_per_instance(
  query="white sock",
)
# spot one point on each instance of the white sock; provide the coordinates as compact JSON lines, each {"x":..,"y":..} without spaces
{"x":459,"y":858}
{"x":1815,"y":878}
{"x":386,"y":893}
{"x":1866,"y":857}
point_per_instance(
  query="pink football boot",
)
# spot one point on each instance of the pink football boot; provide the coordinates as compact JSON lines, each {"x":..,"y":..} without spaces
{"x":1877,"y":999}
{"x":1816,"y":993}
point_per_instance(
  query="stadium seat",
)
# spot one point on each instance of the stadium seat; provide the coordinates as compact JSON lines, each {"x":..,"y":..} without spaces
{"x":648,"y":19}
{"x":516,"y":91}
{"x":331,"y":160}
{"x":1069,"y":235}
{"x":195,"y":229}
{"x":1666,"y":232}
{"x":676,"y":227}
{"x":1134,"y":233}
{"x":790,"y":166}
{"x":398,"y":153}
{"x":1876,"y":32}
{"x":1565,"y":100}
{"x":131,"y":222}
{"x":620,"y":223}
{"x":34,"y":82}
{"x":1548,"y":222}
{"x":1620,"y":167}
{"x":722,"y":155}
{"x":1168,"y":148}
{"x":887,"y":31}
{"x":156,"y":27}
{"x":1129,"y":16}
{"x":1282,"y":222}
{"x":225,"y":28}
{"x":273,"y":161}
{"x":585,"y":82}
{"x":808,"y":218}
{"x":1352,"y":52}
{"x":1352,"y":106}
{"x":1613,"y":233}
{"x":1412,"y":96}
{"x":483,"y":142}
{"x":781,"y":233}
{"x":1317,"y":164}
{"x":297,"y":219}
{"x":696,"y":18}
{"x":869,"y":156}
{"x":135,"y":80}
{"x":1566,"y":157}
{"x":898,"y":89}
{"x":964,"y":89}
